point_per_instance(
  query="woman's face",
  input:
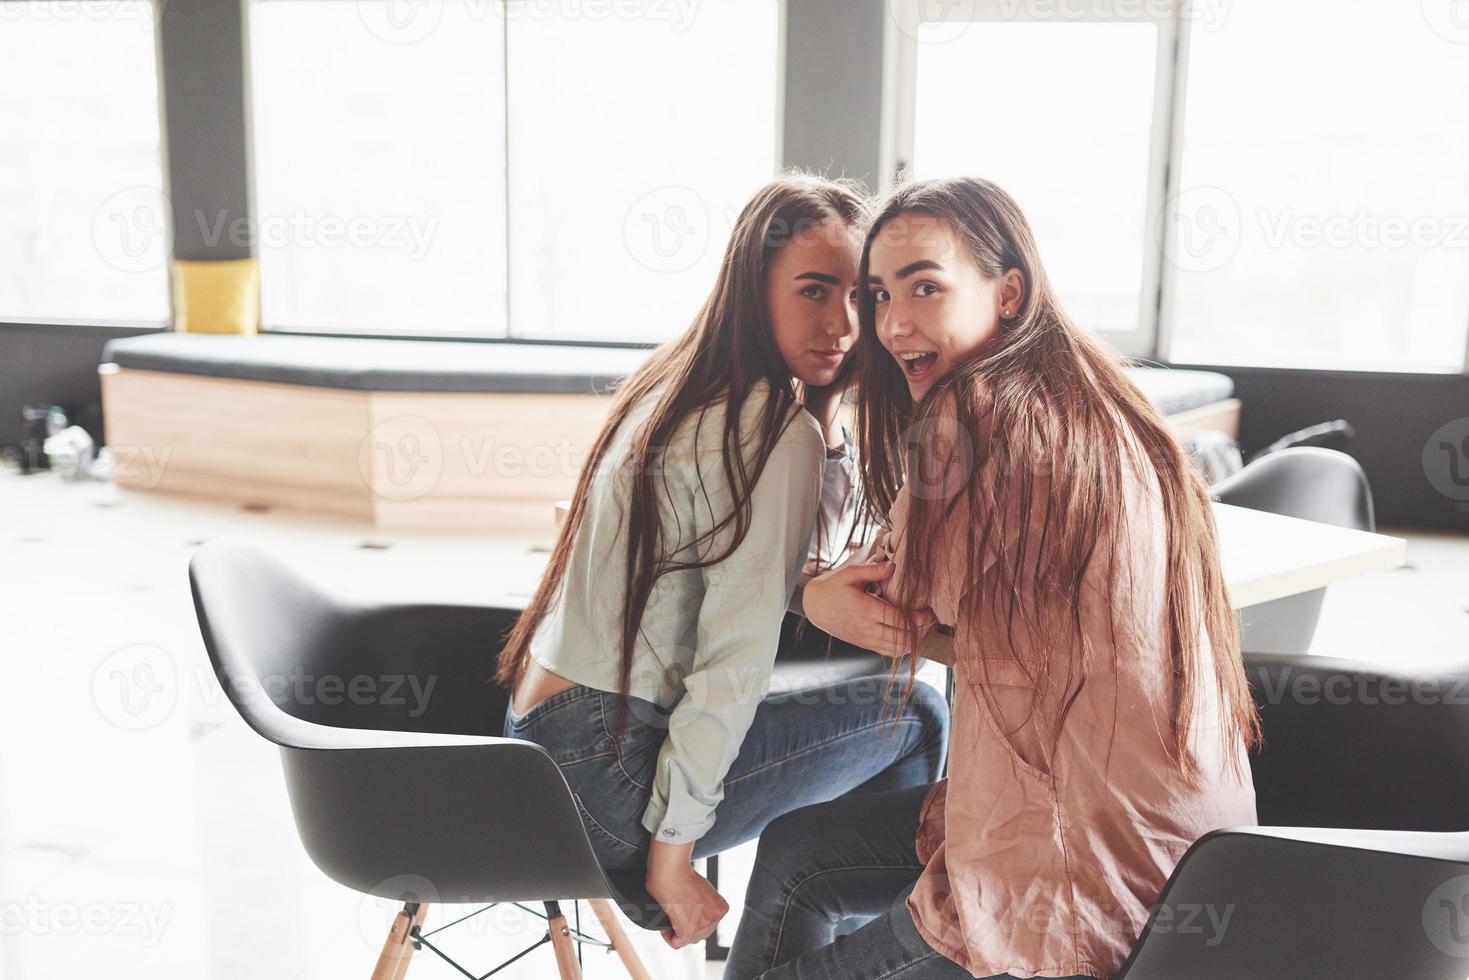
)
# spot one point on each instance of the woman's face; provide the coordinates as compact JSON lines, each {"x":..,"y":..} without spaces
{"x":811,"y":294}
{"x":934,"y":307}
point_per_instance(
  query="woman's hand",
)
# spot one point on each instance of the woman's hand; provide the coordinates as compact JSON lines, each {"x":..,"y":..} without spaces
{"x":839,"y":603}
{"x":693,"y":905}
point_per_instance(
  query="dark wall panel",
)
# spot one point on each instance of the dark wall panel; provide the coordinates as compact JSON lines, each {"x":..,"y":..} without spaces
{"x":1394,"y":416}
{"x":54,"y":364}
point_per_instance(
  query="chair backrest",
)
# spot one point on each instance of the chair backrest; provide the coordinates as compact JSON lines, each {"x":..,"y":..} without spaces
{"x":383,"y":802}
{"x":281,"y":644}
{"x":1308,"y":482}
{"x":1313,"y":484}
{"x":1353,"y":745}
{"x":1282,"y":904}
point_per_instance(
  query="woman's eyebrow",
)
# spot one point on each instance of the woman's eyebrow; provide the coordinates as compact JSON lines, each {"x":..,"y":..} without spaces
{"x":820,"y":277}
{"x":918,"y":266}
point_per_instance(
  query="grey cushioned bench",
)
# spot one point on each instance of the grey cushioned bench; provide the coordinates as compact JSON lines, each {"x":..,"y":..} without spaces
{"x":442,"y":366}
{"x":381,"y":365}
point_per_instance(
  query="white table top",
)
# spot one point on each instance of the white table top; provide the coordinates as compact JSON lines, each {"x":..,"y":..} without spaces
{"x":1267,"y":556}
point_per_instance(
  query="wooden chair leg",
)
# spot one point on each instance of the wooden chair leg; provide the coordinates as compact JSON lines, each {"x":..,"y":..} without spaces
{"x":392,"y":964}
{"x":566,"y":965}
{"x":625,"y":951}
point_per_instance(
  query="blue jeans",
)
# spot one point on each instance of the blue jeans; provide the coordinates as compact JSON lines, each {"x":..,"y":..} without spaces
{"x":822,"y":867}
{"x":803,"y":747}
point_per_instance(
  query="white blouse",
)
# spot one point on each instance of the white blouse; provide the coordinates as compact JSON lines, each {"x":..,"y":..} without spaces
{"x":708,"y":637}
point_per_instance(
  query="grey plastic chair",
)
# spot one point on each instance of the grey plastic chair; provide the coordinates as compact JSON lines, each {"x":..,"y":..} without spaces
{"x":404,"y":790}
{"x":1313,"y":484}
{"x":400,"y":785}
{"x":1361,"y":866}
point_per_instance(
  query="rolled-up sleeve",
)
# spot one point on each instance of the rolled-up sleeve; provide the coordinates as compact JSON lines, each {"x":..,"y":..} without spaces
{"x":738,"y":631}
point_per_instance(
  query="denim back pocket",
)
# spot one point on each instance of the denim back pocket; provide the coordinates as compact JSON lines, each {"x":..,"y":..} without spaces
{"x":567,"y":725}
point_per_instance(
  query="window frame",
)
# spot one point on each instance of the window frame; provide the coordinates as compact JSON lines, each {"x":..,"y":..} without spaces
{"x":1167,"y":298}
{"x":899,"y":109}
{"x":9,"y":318}
{"x":510,"y":333}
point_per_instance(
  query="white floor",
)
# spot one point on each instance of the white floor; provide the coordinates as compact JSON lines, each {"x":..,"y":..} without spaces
{"x":144,"y":831}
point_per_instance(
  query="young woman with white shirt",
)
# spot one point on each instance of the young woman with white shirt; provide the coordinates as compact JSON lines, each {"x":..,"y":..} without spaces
{"x":643,"y":662}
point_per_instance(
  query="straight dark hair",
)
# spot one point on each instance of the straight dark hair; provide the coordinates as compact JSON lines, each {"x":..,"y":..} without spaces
{"x":722,"y":356}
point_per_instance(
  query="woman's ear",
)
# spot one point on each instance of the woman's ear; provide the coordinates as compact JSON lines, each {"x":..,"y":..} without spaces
{"x":1010,"y":293}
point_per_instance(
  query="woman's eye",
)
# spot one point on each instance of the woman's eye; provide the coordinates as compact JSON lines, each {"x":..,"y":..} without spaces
{"x":925,"y":289}
{"x":814,"y":292}
{"x":852,"y":297}
{"x":879,"y":295}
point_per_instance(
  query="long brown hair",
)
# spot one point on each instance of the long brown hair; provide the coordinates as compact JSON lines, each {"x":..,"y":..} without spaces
{"x":722,"y":356}
{"x":1044,"y":407}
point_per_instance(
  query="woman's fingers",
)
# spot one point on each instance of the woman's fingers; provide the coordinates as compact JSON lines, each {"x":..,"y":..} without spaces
{"x":888,"y":614}
{"x":876,"y":571}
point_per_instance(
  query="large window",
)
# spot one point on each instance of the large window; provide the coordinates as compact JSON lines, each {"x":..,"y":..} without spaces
{"x":1251,"y":182}
{"x":379,"y":161}
{"x":1321,"y":213}
{"x":1058,"y":105}
{"x":634,"y":142}
{"x":632,"y":133}
{"x":83,"y":218}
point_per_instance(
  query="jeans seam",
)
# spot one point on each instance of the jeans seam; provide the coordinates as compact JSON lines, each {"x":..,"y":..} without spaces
{"x":908,"y":722}
{"x":594,"y":824}
{"x":906,"y":966}
{"x":791,"y":894}
{"x":617,"y":749}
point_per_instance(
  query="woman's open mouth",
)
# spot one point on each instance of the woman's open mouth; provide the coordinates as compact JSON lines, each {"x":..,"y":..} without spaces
{"x":916,"y":364}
